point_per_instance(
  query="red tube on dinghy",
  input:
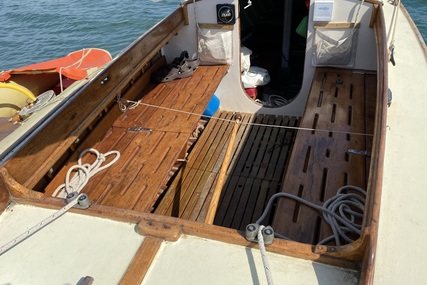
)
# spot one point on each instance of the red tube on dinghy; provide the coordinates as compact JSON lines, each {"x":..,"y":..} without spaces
{"x":74,"y":65}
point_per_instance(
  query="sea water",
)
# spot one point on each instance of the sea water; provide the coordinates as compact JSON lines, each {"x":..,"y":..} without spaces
{"x":34,"y":31}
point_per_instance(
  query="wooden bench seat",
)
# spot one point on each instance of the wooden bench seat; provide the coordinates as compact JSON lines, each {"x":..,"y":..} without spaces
{"x":341,"y":102}
{"x":150,"y":140}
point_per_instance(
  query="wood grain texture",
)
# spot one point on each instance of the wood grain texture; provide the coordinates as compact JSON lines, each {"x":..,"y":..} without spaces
{"x":34,"y":160}
{"x":320,"y":163}
{"x":142,"y":261}
{"x":137,"y":179}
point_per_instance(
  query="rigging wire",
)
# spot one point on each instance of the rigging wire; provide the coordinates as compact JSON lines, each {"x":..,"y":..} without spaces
{"x":133,"y":104}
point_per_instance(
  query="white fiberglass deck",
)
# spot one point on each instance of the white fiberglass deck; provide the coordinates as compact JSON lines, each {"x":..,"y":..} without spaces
{"x":68,"y":249}
{"x":192,"y":260}
{"x":400,"y":257}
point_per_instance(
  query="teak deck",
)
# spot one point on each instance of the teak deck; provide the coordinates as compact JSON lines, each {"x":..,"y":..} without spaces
{"x":150,"y":140}
{"x":341,"y":107}
{"x":254,"y":174}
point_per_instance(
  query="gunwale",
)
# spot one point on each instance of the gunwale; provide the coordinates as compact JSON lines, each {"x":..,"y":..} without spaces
{"x":152,"y":224}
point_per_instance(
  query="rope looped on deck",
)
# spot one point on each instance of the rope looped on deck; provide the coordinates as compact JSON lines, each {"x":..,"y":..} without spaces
{"x":84,"y":171}
{"x":341,"y":212}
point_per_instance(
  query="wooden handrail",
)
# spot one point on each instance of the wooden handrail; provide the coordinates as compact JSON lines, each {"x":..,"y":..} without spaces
{"x":373,"y":200}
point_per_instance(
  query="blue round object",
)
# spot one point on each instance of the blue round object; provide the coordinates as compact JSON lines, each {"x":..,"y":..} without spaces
{"x":212,"y":106}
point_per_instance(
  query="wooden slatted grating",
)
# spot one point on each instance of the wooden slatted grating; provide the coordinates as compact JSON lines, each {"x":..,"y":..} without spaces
{"x":341,"y":103}
{"x":255,"y":173}
{"x":150,"y":140}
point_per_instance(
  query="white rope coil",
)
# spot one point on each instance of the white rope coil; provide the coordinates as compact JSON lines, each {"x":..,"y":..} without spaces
{"x":341,"y":212}
{"x":84,"y":171}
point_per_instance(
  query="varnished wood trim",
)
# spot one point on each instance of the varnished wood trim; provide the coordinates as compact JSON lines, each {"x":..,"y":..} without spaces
{"x":373,"y":200}
{"x":335,"y":256}
{"x":142,"y":261}
{"x":4,"y":196}
{"x":374,"y":16}
{"x":15,"y":188}
{"x":34,"y":160}
{"x":216,"y":26}
{"x":165,"y":231}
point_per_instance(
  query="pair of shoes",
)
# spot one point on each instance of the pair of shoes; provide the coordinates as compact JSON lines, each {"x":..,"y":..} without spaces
{"x":183,"y":59}
{"x":180,"y":67}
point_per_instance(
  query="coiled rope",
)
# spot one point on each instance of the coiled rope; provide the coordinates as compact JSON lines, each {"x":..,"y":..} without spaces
{"x":83,"y":172}
{"x":340,"y":212}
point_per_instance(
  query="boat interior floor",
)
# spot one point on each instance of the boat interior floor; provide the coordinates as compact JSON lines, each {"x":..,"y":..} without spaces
{"x":170,"y":160}
{"x":152,"y":137}
{"x":332,"y":149}
{"x":259,"y":157}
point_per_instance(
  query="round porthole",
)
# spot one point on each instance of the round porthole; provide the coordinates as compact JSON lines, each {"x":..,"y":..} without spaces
{"x":226,"y":14}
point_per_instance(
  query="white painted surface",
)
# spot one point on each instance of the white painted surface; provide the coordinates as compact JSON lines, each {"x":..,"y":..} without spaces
{"x":192,"y":260}
{"x":231,"y":92}
{"x":401,"y":253}
{"x":72,"y":247}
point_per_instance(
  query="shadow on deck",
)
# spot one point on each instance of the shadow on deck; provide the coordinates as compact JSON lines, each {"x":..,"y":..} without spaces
{"x":260,"y":156}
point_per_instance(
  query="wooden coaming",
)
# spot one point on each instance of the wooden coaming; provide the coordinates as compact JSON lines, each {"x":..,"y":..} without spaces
{"x":373,"y":200}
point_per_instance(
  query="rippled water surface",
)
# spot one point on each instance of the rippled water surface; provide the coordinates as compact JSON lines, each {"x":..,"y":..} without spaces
{"x":39,"y":30}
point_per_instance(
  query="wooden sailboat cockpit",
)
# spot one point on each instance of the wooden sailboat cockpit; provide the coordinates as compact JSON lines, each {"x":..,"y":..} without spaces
{"x":169,"y":156}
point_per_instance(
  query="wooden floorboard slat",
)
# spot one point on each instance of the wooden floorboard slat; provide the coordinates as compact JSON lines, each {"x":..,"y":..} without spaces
{"x":320,"y":163}
{"x":169,"y":113}
{"x":188,"y":196}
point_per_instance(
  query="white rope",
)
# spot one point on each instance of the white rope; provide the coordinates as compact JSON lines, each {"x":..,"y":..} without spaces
{"x":350,"y":207}
{"x":133,"y":104}
{"x":79,"y":62}
{"x":394,"y":21}
{"x":39,"y":226}
{"x":264,"y":256}
{"x":83,"y":172}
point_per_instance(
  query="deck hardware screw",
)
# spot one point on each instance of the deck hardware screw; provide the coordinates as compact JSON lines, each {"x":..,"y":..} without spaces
{"x":105,"y":80}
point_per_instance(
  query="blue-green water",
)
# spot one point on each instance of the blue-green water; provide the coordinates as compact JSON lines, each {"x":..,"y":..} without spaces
{"x":34,"y":31}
